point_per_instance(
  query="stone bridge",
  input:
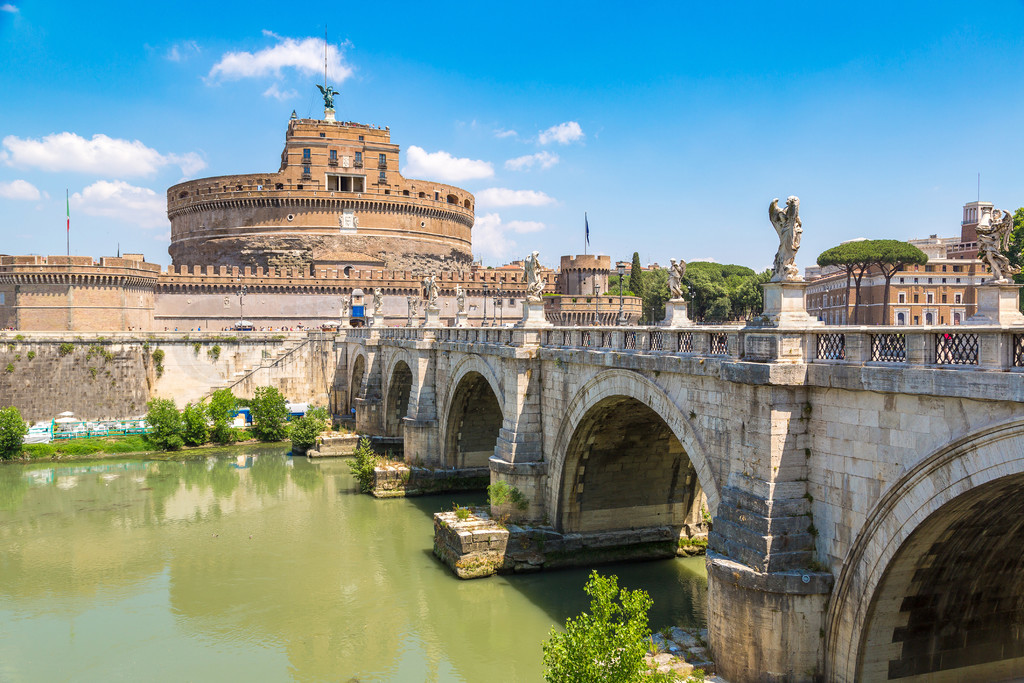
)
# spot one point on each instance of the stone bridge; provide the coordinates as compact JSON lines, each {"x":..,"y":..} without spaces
{"x":865,"y":484}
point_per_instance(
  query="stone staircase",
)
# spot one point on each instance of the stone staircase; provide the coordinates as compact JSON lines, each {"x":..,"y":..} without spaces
{"x":289,"y":347}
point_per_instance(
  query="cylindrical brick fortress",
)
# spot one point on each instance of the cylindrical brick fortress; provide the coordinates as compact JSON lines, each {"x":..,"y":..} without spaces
{"x":338,"y":201}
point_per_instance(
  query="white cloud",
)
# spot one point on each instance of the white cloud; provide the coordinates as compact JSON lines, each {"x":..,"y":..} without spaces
{"x":705,"y":259}
{"x":305,"y":55}
{"x":443,"y":166}
{"x":278,"y":94}
{"x":544,"y":159}
{"x":522,"y":227}
{"x":563,"y":133}
{"x":19,"y":189}
{"x":501,"y":196}
{"x":8,"y":8}
{"x":102,"y":155}
{"x":502,"y":133}
{"x":491,"y":235}
{"x":182,"y":51}
{"x":117,"y":199}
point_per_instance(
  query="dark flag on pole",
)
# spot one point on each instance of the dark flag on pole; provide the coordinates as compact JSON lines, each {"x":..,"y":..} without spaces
{"x":586,"y":230}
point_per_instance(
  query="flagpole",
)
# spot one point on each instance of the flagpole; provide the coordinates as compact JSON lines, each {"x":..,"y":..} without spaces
{"x":67,"y":205}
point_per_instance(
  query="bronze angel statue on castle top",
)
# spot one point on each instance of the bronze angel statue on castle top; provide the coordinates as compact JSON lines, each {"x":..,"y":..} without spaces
{"x":328,"y":94}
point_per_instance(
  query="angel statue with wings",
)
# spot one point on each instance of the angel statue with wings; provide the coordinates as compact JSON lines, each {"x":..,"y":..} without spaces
{"x":328,"y":94}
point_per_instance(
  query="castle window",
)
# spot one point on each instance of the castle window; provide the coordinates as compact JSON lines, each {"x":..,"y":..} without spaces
{"x":360,"y":138}
{"x":437,"y":196}
{"x":943,"y":298}
{"x":359,"y":157}
{"x":322,"y":135}
{"x":346,"y":183}
{"x":957,"y":298}
{"x":305,"y":170}
{"x":423,"y":195}
{"x":452,"y":199}
{"x":466,"y":204}
{"x":383,"y":177}
{"x":405,"y":193}
{"x":334,"y":155}
{"x":930,"y":298}
{"x":306,"y":155}
{"x":383,"y":158}
{"x":902,"y":297}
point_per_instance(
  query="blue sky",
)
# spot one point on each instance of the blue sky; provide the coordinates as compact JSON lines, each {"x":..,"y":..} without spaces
{"x":672,"y":125}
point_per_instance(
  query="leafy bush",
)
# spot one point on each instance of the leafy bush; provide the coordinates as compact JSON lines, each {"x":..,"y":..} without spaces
{"x":39,"y":450}
{"x":196,"y":346}
{"x":461,"y":513}
{"x":269,"y":414}
{"x":500,"y":493}
{"x":158,"y":362}
{"x":607,"y":644}
{"x":12,"y":432}
{"x":9,"y":368}
{"x":222,"y":408}
{"x":214,"y":352}
{"x":193,"y":419}
{"x":165,"y":420}
{"x":31,"y":355}
{"x":362,"y":465}
{"x":306,"y":428}
{"x":65,"y":348}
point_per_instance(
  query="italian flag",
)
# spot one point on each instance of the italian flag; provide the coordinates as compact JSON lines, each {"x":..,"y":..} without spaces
{"x":67,"y":200}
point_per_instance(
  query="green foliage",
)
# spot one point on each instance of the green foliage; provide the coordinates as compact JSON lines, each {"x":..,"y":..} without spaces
{"x":196,"y":346}
{"x":857,"y":257}
{"x":269,"y":414}
{"x":306,"y":428}
{"x":12,"y":432}
{"x":724,"y":291}
{"x":132,"y":443}
{"x":363,"y":464}
{"x":1016,"y":251}
{"x":97,"y":350}
{"x":193,"y":420}
{"x":221,"y":409}
{"x":65,"y":348}
{"x":636,"y":276}
{"x":9,"y":368}
{"x":214,"y":352}
{"x":31,"y":355}
{"x":19,"y":337}
{"x":655,"y":294}
{"x":606,"y":645}
{"x":165,"y":420}
{"x":461,"y":513}
{"x":158,"y":362}
{"x":613,"y":286}
{"x":499,"y":493}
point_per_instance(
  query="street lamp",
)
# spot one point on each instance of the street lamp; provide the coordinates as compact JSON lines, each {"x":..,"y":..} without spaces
{"x":597,"y":304}
{"x":621,"y":272}
{"x":501,"y":302}
{"x":242,"y":291}
{"x":484,"y":322}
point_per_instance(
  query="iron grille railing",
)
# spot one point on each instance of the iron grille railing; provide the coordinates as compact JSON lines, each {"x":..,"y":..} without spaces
{"x":832,"y":346}
{"x":629,"y":341}
{"x":719,"y":344}
{"x":955,"y":348}
{"x":889,"y":348}
{"x":602,"y":340}
{"x":1018,"y":350}
{"x":655,"y":341}
{"x":585,"y":338}
{"x":566,"y":338}
{"x":685,"y":343}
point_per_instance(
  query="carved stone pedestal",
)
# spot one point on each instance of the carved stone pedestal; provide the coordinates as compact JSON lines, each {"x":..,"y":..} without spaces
{"x":675,"y":314}
{"x":462,"y":319}
{"x":784,"y":305}
{"x":533,"y":315}
{"x":377,"y":320}
{"x":997,"y":305}
{"x":433,"y":317}
{"x":329,"y":115}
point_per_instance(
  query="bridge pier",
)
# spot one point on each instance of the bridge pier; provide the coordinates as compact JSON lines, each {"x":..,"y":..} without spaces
{"x":766,"y":598}
{"x":368,"y":403}
{"x":420,"y":426}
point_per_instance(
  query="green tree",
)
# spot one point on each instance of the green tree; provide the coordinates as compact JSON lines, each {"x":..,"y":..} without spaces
{"x":194,"y":431}
{"x":269,"y":414}
{"x":858,"y":257}
{"x":636,"y":276}
{"x":1016,"y":251}
{"x":724,"y":291}
{"x":655,"y":295}
{"x":165,"y":423}
{"x":222,"y":409}
{"x":363,"y":464}
{"x":306,"y":428}
{"x":12,"y":433}
{"x":606,"y":645}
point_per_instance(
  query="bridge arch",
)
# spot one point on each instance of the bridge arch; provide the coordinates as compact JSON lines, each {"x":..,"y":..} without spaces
{"x":397,"y":394}
{"x":624,"y":405}
{"x":358,"y":376}
{"x":931,"y":586}
{"x":473,"y":414}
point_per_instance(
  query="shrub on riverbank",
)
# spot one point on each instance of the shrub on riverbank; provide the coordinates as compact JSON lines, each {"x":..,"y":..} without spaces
{"x":12,"y":432}
{"x":362,"y":465}
{"x":194,"y":431}
{"x":165,"y":423}
{"x":133,"y":443}
{"x":606,"y":644}
{"x":222,"y":408}
{"x":269,"y":414}
{"x":306,"y":428}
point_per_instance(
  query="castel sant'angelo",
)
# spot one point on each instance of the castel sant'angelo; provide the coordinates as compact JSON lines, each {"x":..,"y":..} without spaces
{"x":336,"y":222}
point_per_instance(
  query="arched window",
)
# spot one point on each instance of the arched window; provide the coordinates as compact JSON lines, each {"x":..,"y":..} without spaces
{"x":929,"y":319}
{"x":901,"y":318}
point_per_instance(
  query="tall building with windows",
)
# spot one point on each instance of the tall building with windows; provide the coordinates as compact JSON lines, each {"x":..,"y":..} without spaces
{"x":940,"y":292}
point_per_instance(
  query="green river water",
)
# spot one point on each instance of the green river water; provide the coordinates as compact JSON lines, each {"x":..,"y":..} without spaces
{"x":252,"y":565}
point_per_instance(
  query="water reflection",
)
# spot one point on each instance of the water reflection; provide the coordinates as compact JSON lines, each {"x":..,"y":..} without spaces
{"x":253,"y":564}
